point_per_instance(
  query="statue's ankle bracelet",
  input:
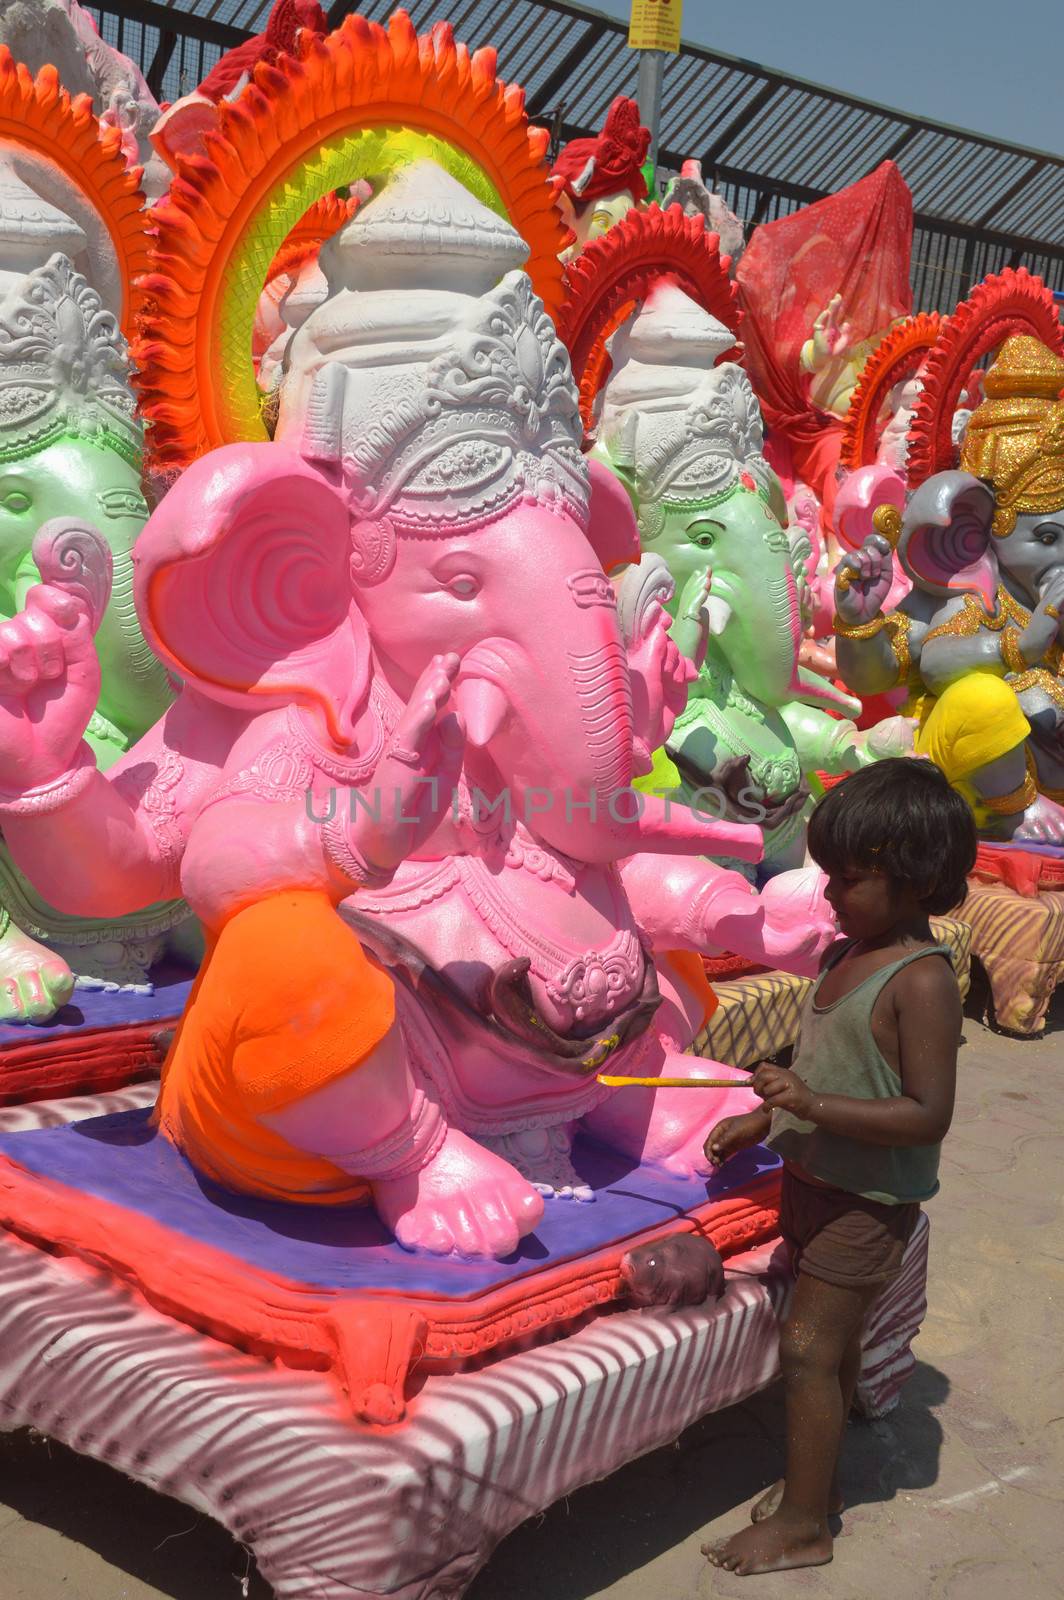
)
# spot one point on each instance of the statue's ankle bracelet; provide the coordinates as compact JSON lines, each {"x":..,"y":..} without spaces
{"x":411,"y":1147}
{"x":1018,"y":799}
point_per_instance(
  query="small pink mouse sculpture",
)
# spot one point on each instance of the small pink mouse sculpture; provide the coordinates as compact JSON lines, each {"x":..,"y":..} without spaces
{"x":413,"y":703}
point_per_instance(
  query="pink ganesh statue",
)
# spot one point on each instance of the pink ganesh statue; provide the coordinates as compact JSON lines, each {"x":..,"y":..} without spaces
{"x":396,"y":785}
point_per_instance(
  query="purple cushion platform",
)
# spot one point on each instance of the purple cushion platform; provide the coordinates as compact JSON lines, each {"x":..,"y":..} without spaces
{"x":123,"y":1160}
{"x":1053,"y":852}
{"x":96,"y":1008}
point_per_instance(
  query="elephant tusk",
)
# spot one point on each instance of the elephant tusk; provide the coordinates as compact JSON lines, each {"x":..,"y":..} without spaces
{"x":580,"y":183}
{"x":719,"y":613}
{"x":483,"y":709}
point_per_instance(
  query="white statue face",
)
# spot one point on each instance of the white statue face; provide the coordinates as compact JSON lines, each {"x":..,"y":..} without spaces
{"x":597,"y":218}
{"x":905,"y":395}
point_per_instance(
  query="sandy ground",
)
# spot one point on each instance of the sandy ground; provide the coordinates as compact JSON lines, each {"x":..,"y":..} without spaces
{"x":958,"y":1495}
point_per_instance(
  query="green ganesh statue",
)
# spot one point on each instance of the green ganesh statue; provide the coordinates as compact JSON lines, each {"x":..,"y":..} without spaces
{"x":70,"y":451}
{"x":684,"y":433}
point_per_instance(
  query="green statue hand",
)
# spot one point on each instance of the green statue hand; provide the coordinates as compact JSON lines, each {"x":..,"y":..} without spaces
{"x":690,"y":631}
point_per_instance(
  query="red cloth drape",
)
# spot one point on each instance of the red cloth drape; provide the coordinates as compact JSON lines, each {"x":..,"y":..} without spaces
{"x":857,"y":243}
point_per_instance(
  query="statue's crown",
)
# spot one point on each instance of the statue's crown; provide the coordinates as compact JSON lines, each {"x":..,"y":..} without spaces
{"x":32,"y":229}
{"x":448,"y":395}
{"x":63,"y":366}
{"x":685,"y":430}
{"x":1015,"y":439}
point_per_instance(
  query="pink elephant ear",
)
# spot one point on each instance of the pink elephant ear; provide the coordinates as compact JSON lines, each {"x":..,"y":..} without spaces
{"x":860,"y":496}
{"x":243,"y":586}
{"x":180,"y":129}
{"x":612,"y":529}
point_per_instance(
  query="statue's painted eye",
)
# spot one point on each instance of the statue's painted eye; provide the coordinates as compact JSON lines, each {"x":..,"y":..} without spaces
{"x":16,"y":502}
{"x":704,"y":532}
{"x":1048,"y":533}
{"x":464,"y":586}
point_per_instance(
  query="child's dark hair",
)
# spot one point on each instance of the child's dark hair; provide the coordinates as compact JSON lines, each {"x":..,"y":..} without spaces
{"x":902,"y":818}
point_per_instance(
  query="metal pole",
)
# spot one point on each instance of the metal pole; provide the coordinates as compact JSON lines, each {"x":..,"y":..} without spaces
{"x":651,"y":73}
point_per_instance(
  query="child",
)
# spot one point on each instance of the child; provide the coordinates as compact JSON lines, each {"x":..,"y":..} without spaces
{"x":859,"y":1121}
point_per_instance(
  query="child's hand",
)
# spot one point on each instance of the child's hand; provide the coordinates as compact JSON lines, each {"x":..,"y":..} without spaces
{"x":782,"y":1090}
{"x":733,"y":1134}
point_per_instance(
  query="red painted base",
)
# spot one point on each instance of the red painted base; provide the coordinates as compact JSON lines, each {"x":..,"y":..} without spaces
{"x":373,"y":1345}
{"x":91,"y":1062}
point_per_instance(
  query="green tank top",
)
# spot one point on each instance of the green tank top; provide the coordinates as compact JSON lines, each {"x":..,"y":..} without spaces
{"x":837,"y":1054}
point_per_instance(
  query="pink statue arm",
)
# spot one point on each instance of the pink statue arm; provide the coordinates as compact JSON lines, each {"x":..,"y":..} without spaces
{"x":96,"y":857}
{"x":88,"y":845}
{"x":694,"y":905}
{"x":115,"y":845}
{"x":671,"y":829}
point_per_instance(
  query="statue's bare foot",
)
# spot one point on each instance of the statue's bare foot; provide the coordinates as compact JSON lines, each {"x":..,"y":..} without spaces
{"x":769,"y":1503}
{"x":1043,"y":823}
{"x":466,"y":1202}
{"x":34,"y":982}
{"x":774,"y":1545}
{"x":676,"y":1107}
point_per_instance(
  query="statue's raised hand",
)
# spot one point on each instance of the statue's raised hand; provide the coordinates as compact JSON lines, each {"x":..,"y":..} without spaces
{"x":831,"y":336}
{"x":414,"y":780}
{"x":863,"y":579}
{"x":1047,"y":622}
{"x":49,"y":670}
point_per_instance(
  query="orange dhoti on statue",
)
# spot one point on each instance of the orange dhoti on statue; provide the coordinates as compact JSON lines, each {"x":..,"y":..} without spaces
{"x":286,"y":1002}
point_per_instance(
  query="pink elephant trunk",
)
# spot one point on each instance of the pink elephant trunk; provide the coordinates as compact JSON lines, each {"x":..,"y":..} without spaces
{"x":570,"y":767}
{"x":566,"y":751}
{"x":604,"y":697}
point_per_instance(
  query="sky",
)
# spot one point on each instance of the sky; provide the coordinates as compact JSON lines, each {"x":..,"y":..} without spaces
{"x":991,"y":66}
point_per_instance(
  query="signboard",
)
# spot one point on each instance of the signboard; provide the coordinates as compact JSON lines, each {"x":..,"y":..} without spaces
{"x":655,"y":25}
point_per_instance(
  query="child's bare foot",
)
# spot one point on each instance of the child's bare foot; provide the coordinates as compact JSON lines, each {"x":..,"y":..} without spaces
{"x":778,"y":1543}
{"x":733,"y":1134}
{"x":769,"y":1503}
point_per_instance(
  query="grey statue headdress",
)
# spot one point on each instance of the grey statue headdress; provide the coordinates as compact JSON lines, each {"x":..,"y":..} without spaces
{"x":63,"y":367}
{"x":449,"y":396}
{"x":685,"y":431}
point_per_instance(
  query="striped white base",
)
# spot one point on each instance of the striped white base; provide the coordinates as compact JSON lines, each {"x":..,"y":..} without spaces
{"x":337,"y":1511}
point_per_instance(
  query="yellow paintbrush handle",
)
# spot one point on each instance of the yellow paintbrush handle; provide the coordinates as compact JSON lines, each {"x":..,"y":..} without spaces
{"x":673,"y":1083}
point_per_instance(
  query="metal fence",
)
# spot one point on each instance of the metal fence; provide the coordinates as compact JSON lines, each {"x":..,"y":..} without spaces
{"x":176,"y":47}
{"x":175,"y":51}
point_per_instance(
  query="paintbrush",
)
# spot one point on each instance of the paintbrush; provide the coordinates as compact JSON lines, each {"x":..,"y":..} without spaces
{"x":674,"y":1083}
